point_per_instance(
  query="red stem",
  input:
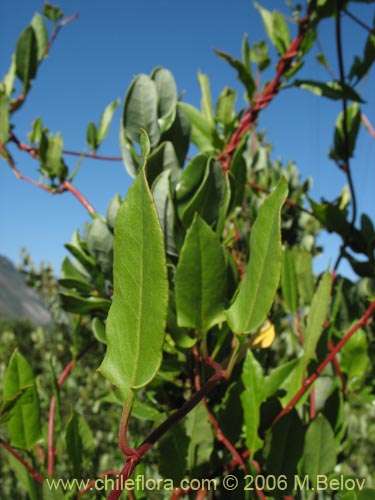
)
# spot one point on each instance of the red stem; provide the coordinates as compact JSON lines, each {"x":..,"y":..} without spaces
{"x":337,"y":368}
{"x":93,"y":482}
{"x":367,"y":124}
{"x":312,"y":404}
{"x":310,"y":380}
{"x":19,"y":459}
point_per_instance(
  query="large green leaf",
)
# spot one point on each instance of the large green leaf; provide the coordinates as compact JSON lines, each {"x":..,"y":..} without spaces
{"x":25,"y":395}
{"x":243,"y":72}
{"x":317,"y":315}
{"x":24,"y":425}
{"x":164,"y":205}
{"x":140,"y":110}
{"x":163,"y":158}
{"x":276,"y":28}
{"x":100,"y":244}
{"x":201,"y":279}
{"x":179,"y":134}
{"x":4,"y":118}
{"x":257,"y":290}
{"x":27,"y":57}
{"x":319,"y":456}
{"x":72,"y":278}
{"x":105,"y":120}
{"x":24,"y":479}
{"x":199,"y":430}
{"x":251,"y":398}
{"x":167,"y":97}
{"x":74,"y":303}
{"x":206,"y":102}
{"x":332,"y":90}
{"x":289,"y":281}
{"x":128,"y":153}
{"x":136,"y":321}
{"x":203,"y":133}
{"x":41,"y":34}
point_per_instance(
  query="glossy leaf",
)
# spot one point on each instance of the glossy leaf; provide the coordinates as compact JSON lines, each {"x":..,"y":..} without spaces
{"x":25,"y":395}
{"x":98,"y":329}
{"x":140,"y":110}
{"x":206,"y":102}
{"x":317,"y":315}
{"x":7,"y":83}
{"x":166,"y":97}
{"x":179,"y":134}
{"x":136,"y":321}
{"x":333,"y":90}
{"x":200,"y":283}
{"x":319,"y":456}
{"x":289,"y":281}
{"x":341,"y":149}
{"x":276,"y":28}
{"x":106,"y":119}
{"x":354,"y":355}
{"x":4,"y":118}
{"x":257,"y":289}
{"x":199,"y":430}
{"x":24,"y":425}
{"x":278,"y":376}
{"x":41,"y":34}
{"x":251,"y":398}
{"x":27,"y":57}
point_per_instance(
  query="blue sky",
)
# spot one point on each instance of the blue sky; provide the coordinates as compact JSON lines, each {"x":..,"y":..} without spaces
{"x":92,"y":63}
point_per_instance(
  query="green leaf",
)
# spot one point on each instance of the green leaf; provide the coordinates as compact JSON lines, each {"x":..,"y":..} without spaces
{"x":164,"y":205}
{"x":74,"y":303}
{"x":52,"y":163}
{"x":333,"y":90}
{"x":163,"y":158}
{"x":251,"y":398}
{"x":225,"y":107}
{"x":276,"y":28}
{"x":4,"y":118}
{"x":140,"y":110}
{"x":24,"y":425}
{"x":201,"y":189}
{"x":98,"y":329}
{"x":201,"y":279}
{"x":35,"y":136}
{"x":129,"y":155}
{"x":319,"y":456}
{"x":354,"y":355}
{"x":25,"y":395}
{"x":361,"y":67}
{"x":244,"y":74}
{"x":353,"y":122}
{"x":74,"y":445}
{"x":259,"y":55}
{"x":24,"y":479}
{"x":257,"y":290}
{"x":27,"y":57}
{"x":112,"y":210}
{"x":41,"y":34}
{"x":136,"y":321}
{"x":305,"y":279}
{"x":317,"y":315}
{"x":49,"y":494}
{"x":284,"y":447}
{"x":100,"y":244}
{"x":206,"y":102}
{"x":276,"y":378}
{"x":173,"y":449}
{"x":7,"y":84}
{"x":52,"y":12}
{"x":202,"y":131}
{"x":179,"y":134}
{"x":92,"y":136}
{"x":56,"y":394}
{"x":106,"y":119}
{"x":289,"y":281}
{"x":167,"y":97}
{"x":199,"y":430}
{"x":72,"y":278}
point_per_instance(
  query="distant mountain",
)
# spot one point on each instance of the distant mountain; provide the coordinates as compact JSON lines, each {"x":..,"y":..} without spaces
{"x":17,"y":300}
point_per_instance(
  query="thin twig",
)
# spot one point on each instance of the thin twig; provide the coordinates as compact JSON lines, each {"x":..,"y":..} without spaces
{"x":310,"y":380}
{"x":19,"y":459}
{"x":358,"y":21}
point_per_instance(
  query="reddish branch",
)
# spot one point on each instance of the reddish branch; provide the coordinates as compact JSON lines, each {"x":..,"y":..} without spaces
{"x":19,"y":459}
{"x":367,"y":124}
{"x":310,"y":380}
{"x":93,"y":482}
{"x":260,"y":102}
